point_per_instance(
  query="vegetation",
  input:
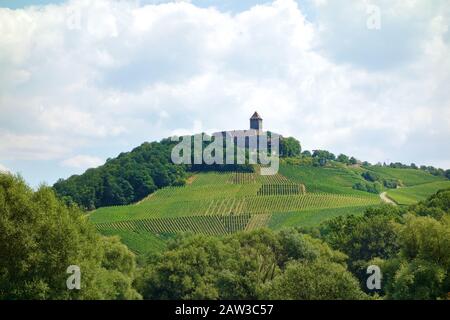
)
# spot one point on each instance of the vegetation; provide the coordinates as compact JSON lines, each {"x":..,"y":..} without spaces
{"x":311,"y":217}
{"x":375,"y":187}
{"x":412,"y":246}
{"x":221,"y":203}
{"x":290,"y":147}
{"x":123,"y":180}
{"x":414,"y":194}
{"x":40,"y":238}
{"x":408,"y":177}
{"x":253,"y":265}
{"x":134,"y":175}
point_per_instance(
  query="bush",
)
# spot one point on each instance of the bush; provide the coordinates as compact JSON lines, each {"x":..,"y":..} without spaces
{"x":368,"y":187}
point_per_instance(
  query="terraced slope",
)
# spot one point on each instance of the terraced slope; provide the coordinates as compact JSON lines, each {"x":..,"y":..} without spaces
{"x":218,"y":203}
{"x":222,"y":203}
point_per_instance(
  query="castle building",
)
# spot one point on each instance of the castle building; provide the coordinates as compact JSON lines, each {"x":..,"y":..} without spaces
{"x":256,"y":122}
{"x":255,"y":128}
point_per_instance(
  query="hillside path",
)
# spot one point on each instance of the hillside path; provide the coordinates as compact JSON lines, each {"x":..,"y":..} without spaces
{"x":386,"y":199}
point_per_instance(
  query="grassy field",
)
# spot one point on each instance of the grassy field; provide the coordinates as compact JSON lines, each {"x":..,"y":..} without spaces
{"x":311,"y":218}
{"x":409,"y":177}
{"x":411,"y":195}
{"x":223,"y":203}
{"x":337,"y":180}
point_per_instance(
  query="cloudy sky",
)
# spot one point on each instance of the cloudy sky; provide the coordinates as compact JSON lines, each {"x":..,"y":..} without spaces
{"x":84,"y":80}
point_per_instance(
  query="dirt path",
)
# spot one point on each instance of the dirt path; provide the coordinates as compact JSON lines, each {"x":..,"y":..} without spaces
{"x":386,"y":199}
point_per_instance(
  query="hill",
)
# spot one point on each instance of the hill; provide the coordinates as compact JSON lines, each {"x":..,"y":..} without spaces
{"x":220,"y":203}
{"x":411,"y":195}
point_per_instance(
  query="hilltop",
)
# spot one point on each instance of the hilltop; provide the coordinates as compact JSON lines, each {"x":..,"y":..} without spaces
{"x":146,"y":195}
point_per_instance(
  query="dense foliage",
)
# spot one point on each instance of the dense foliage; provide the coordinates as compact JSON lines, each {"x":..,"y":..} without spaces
{"x":374,"y":187}
{"x":290,"y":147}
{"x":40,"y":238}
{"x":125,"y":179}
{"x":252,"y":265}
{"x":412,"y":246}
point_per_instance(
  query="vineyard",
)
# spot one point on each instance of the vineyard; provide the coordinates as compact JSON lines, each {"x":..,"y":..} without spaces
{"x":212,"y":224}
{"x":221,"y":203}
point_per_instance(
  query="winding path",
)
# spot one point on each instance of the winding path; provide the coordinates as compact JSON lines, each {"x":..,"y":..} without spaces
{"x":386,"y":199}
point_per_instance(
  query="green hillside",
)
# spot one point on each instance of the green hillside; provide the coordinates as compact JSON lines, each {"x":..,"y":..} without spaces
{"x":221,"y":203}
{"x":139,"y":242}
{"x":409,"y":177}
{"x":411,"y":195}
{"x":337,"y":179}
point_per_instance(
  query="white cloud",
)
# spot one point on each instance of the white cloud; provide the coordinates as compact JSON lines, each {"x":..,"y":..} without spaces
{"x":32,"y":147}
{"x":82,"y":162}
{"x":100,"y":77}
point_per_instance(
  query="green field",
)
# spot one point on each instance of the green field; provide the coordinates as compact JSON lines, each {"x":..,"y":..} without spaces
{"x":222,"y":203}
{"x":311,"y":218}
{"x":139,"y":242}
{"x":411,"y":195}
{"x":338,"y":180}
{"x":409,"y":177}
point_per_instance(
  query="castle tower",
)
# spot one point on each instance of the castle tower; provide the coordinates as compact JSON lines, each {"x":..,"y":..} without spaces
{"x":256,"y":122}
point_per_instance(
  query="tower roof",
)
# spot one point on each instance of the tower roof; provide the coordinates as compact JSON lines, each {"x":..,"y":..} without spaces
{"x":256,"y":116}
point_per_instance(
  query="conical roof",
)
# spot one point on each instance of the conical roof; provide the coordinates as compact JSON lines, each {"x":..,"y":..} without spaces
{"x":256,"y":116}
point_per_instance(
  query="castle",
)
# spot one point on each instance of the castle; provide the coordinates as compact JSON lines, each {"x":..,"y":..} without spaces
{"x":255,"y":128}
{"x":256,"y":122}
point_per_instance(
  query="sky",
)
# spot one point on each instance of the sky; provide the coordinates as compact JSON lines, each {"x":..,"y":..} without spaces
{"x":84,"y":80}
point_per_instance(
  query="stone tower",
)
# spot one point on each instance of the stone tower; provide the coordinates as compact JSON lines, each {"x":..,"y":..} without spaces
{"x":256,"y":122}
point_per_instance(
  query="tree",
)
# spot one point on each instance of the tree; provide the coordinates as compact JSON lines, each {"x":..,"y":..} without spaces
{"x":290,"y":147}
{"x":316,"y":280}
{"x":421,"y":269}
{"x":353,"y":160}
{"x":447,"y":174}
{"x":40,"y":238}
{"x":323,"y":154}
{"x":306,"y":153}
{"x":364,"y":238}
{"x":370,"y":176}
{"x":343,"y":158}
{"x":321,"y":157}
